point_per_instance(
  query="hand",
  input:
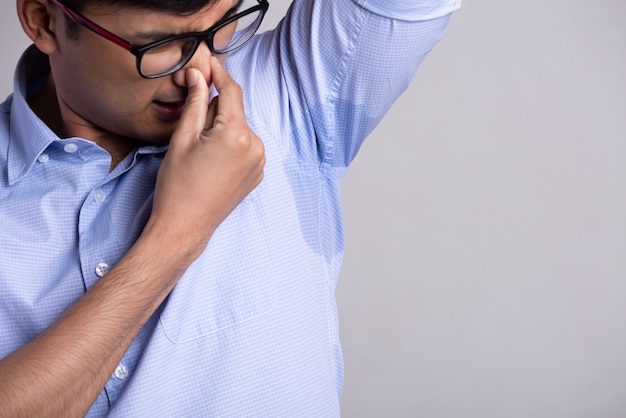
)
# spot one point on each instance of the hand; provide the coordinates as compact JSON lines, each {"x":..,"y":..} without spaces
{"x":213,"y":163}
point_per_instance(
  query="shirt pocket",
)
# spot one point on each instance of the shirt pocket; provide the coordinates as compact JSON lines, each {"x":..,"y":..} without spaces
{"x":232,"y":282}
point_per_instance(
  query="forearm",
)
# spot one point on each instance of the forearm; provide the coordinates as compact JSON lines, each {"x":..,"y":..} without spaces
{"x":62,"y":371}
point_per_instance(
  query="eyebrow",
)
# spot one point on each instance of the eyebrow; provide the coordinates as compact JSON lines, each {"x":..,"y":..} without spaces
{"x":236,"y":6}
{"x":155,"y":35}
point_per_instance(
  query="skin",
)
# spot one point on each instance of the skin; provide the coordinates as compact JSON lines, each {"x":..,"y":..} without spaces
{"x":213,"y":162}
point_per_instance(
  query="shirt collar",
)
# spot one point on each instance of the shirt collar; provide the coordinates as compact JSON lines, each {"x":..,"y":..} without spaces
{"x":30,"y":136}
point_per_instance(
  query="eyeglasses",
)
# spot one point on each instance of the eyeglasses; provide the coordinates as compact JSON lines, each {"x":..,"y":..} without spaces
{"x":168,"y":55}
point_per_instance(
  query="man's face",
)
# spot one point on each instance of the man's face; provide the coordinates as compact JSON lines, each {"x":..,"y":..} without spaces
{"x":97,"y":83}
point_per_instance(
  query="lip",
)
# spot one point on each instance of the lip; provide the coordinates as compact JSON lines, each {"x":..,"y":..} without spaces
{"x":169,"y":110}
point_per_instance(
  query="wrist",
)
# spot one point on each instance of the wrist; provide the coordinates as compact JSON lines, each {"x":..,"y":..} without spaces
{"x":175,"y":245}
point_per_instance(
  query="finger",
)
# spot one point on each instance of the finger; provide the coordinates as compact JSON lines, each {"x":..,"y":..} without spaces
{"x":194,"y":117}
{"x":211,"y":113}
{"x":231,"y":97}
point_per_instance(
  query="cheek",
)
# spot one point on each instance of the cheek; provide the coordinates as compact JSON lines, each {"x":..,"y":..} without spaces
{"x":107,"y":92}
{"x":94,"y":71}
{"x":106,"y":100}
{"x":102,"y":92}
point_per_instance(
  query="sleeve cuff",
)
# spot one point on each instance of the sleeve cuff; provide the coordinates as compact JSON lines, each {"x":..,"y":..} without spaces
{"x":411,"y":10}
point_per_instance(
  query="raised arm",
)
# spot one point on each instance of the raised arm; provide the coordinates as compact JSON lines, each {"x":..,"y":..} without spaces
{"x":342,"y":65}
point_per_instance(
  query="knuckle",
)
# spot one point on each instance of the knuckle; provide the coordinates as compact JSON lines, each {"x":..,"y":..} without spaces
{"x":233,"y":86}
{"x":240,"y":142}
{"x":240,"y":138}
{"x":259,"y":150}
{"x":235,"y":89}
{"x":234,"y":92}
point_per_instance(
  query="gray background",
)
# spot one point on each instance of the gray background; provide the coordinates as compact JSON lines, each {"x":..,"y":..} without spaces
{"x":485,"y":221}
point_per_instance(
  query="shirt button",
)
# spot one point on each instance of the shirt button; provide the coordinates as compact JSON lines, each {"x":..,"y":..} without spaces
{"x":99,"y":196}
{"x":43,"y":158}
{"x":121,"y":372}
{"x":70,"y":148}
{"x":101,"y":269}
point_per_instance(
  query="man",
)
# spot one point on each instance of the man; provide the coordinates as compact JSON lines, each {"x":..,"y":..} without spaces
{"x":137,"y":282}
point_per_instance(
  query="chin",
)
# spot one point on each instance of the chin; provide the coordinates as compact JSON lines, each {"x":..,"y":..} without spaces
{"x":161,"y":137}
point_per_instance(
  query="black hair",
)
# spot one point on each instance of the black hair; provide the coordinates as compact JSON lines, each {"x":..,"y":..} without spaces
{"x":184,"y":7}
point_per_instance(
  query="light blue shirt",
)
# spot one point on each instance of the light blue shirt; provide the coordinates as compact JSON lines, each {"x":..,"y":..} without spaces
{"x":251,"y":329}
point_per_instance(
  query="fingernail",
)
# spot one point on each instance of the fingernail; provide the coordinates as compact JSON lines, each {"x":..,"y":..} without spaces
{"x":192,"y":77}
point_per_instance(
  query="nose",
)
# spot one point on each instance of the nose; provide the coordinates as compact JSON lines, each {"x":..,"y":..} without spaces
{"x":200,"y":60}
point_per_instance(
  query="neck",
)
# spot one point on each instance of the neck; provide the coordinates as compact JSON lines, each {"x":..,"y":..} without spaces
{"x":45,"y":104}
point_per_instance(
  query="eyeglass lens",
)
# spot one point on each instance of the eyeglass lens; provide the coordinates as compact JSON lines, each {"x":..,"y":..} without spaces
{"x":174,"y":54}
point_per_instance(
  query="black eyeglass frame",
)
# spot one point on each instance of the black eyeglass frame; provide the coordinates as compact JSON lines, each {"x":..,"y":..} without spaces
{"x":139,"y":51}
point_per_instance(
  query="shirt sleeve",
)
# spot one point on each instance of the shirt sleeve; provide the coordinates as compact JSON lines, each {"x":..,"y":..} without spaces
{"x":339,"y":66}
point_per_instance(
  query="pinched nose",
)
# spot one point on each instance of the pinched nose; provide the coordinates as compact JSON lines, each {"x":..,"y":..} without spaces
{"x":201,"y":60}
